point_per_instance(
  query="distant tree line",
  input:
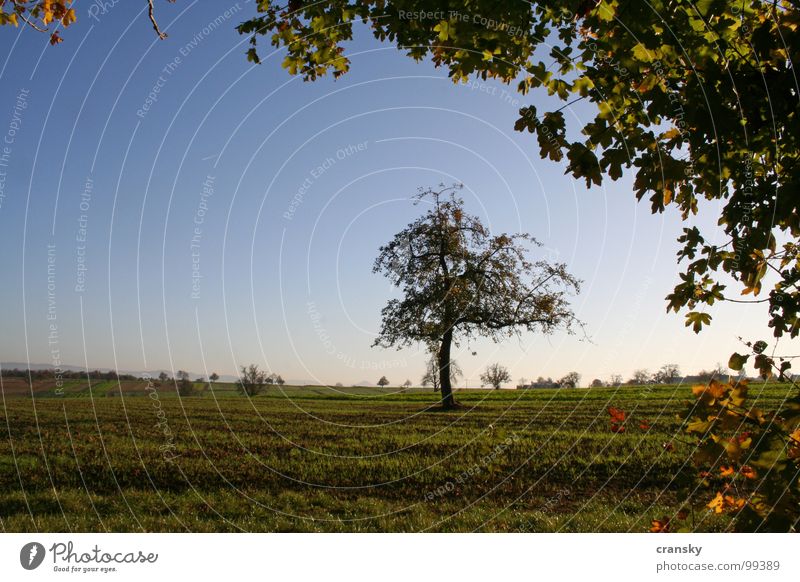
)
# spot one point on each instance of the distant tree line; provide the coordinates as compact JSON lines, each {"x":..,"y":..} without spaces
{"x":47,"y":373}
{"x":570,"y":380}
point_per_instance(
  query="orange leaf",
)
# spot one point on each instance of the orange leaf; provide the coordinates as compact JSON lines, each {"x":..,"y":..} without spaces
{"x":748,"y":472}
{"x":717,"y":504}
{"x":660,"y":525}
{"x":711,"y":392}
{"x":617,"y":414}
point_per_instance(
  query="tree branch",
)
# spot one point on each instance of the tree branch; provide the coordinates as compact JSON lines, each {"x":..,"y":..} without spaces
{"x":151,"y":12}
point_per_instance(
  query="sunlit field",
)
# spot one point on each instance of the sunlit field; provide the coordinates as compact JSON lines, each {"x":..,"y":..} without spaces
{"x":341,"y":459}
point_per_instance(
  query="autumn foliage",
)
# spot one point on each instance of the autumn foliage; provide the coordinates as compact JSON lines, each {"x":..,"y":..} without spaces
{"x":745,"y":462}
{"x":42,"y":15}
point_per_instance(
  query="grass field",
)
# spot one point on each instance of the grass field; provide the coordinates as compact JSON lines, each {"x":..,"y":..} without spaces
{"x":325,"y":459}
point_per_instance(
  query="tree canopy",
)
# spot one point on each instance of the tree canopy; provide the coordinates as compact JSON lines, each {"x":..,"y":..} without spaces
{"x":698,"y":100}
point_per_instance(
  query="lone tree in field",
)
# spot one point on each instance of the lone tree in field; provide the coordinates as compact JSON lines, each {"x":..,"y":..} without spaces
{"x":495,"y":375}
{"x":432,"y":372}
{"x":459,"y":281}
{"x":384,"y":381}
{"x":251,"y":381}
{"x":213,"y":377}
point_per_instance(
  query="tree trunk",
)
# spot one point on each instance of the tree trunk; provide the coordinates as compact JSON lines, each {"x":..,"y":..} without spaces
{"x":444,"y":370}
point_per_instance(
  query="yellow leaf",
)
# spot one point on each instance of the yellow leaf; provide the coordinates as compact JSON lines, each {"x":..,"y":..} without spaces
{"x":443,"y":28}
{"x":69,"y":17}
{"x":717,"y":504}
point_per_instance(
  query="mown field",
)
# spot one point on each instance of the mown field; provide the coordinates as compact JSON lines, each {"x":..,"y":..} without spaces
{"x":323,"y":459}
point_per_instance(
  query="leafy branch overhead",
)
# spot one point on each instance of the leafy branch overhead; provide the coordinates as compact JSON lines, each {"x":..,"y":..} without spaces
{"x":698,"y":100}
{"x":48,"y":16}
{"x":695,"y":100}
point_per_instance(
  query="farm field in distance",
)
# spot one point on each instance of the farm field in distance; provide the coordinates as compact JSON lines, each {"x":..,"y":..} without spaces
{"x":319,"y":459}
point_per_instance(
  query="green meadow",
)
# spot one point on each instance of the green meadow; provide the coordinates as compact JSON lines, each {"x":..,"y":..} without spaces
{"x":321,"y":459}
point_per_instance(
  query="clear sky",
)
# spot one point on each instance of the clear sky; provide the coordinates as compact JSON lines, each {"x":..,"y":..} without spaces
{"x":196,"y":211}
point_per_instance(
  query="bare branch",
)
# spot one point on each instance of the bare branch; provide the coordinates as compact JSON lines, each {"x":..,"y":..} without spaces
{"x":151,"y":12}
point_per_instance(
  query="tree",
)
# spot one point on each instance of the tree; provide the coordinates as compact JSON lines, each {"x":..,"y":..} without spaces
{"x":279,"y":380}
{"x":616,"y":380}
{"x":571,"y":380}
{"x":597,"y":383}
{"x":432,"y":375}
{"x":641,"y":377}
{"x":407,"y":384}
{"x":163,"y":377}
{"x":495,"y":375}
{"x":459,"y":281}
{"x":648,"y":72}
{"x":668,"y":374}
{"x":251,"y":380}
{"x":384,"y":381}
{"x":185,"y":387}
{"x":213,"y":377}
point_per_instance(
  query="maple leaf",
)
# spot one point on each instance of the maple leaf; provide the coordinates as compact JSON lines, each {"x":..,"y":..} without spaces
{"x":717,"y":504}
{"x":721,"y":503}
{"x":712,"y":392}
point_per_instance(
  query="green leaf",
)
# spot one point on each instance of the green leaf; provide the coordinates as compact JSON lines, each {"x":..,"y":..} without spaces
{"x":252,"y":56}
{"x":737,"y":361}
{"x":697,"y":320}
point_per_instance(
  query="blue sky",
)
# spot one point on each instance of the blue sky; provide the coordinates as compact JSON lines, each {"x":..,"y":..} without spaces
{"x":232,"y":216}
